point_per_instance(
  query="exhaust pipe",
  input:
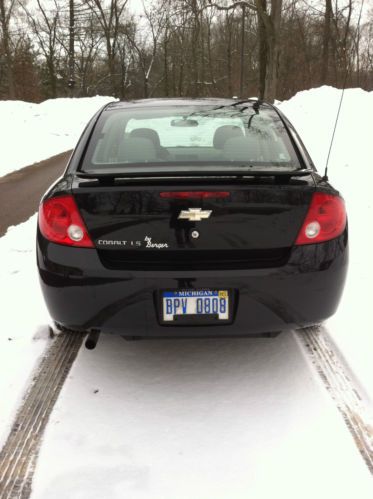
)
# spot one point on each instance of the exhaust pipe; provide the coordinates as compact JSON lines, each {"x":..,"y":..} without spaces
{"x":92,"y":339}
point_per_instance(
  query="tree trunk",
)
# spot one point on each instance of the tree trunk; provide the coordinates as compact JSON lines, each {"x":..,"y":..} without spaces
{"x":195,"y":49}
{"x":146,"y":86}
{"x":181,"y":78}
{"x":262,"y":51}
{"x":71,"y":82}
{"x":7,"y":51}
{"x":201,"y":46}
{"x":242,"y":54}
{"x":111,"y":65}
{"x":272,"y":69}
{"x":165,"y":65}
{"x":52,"y":76}
{"x":211,"y":70}
{"x":272,"y":24}
{"x":229,"y":56}
{"x":326,"y":42}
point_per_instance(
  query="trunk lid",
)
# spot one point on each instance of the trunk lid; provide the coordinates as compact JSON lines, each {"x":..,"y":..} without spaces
{"x":133,"y":222}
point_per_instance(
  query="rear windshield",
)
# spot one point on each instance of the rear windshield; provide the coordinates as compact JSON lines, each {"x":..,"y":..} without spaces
{"x":234,"y":135}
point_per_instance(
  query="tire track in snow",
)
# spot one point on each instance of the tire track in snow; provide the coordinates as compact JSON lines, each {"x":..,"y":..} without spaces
{"x":340,"y":387}
{"x":19,"y":454}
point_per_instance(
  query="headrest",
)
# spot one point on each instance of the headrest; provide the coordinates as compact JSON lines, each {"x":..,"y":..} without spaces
{"x":243,"y":149}
{"x":147,"y":133}
{"x":225,"y":132}
{"x":136,"y":150}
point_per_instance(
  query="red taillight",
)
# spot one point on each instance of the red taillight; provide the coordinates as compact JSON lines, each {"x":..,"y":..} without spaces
{"x":325,"y":219}
{"x":195,"y":195}
{"x":60,"y":222}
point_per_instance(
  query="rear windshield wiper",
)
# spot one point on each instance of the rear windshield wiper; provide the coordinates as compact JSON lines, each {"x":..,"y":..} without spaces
{"x":255,"y":104}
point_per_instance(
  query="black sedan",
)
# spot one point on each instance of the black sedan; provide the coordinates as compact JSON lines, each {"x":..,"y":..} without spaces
{"x":191,"y":218}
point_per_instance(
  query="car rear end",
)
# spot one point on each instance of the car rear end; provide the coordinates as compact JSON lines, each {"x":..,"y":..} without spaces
{"x":219,"y":228}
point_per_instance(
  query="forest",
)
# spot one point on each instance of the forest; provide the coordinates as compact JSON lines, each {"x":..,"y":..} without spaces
{"x":134,"y":49}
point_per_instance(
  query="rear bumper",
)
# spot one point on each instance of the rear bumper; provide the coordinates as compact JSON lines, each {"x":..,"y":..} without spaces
{"x":82,"y":294}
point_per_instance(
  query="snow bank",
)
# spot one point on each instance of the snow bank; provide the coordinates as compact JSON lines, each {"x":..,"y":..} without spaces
{"x":33,"y":132}
{"x":24,"y":318}
{"x":313,"y":113}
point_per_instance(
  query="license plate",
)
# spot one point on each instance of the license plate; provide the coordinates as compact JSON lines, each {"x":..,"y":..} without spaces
{"x":195,"y":302}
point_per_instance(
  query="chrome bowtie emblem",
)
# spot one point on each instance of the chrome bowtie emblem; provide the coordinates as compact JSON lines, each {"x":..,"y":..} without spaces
{"x":194,"y":214}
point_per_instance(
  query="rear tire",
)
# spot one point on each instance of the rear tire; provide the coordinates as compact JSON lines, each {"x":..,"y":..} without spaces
{"x":52,"y":332}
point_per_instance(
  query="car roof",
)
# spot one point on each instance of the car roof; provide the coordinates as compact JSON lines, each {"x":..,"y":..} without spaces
{"x":179,"y":101}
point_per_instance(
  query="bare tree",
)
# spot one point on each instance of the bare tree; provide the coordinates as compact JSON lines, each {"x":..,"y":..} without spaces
{"x":182,"y":47}
{"x":326,"y":41}
{"x":156,"y":17}
{"x":271,"y":23}
{"x":109,"y":17}
{"x":87,"y":45}
{"x":44,"y":23}
{"x":263,"y":51}
{"x":6,"y":11}
{"x":269,"y":28}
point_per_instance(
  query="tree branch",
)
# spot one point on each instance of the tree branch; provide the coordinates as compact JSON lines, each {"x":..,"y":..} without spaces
{"x":232,"y":6}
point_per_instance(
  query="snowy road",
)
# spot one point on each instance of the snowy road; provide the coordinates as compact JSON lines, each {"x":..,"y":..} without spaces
{"x":199,"y":419}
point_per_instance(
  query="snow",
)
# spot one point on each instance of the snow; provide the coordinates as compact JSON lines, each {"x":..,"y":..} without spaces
{"x":210,"y":418}
{"x":227,"y":418}
{"x":313,"y":114}
{"x":24,"y":319}
{"x":33,"y":132}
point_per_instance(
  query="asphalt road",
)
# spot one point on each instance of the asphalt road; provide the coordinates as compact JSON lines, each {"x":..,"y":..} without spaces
{"x":20,"y":191}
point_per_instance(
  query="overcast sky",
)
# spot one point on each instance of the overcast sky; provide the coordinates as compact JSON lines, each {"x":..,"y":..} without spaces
{"x":136,"y":6}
